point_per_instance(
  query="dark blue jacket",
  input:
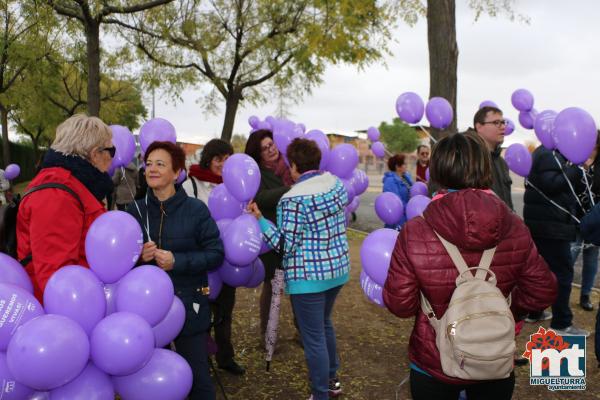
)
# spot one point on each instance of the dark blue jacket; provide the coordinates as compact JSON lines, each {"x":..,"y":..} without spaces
{"x":190,"y":233}
{"x":543,"y":218}
{"x":590,"y":226}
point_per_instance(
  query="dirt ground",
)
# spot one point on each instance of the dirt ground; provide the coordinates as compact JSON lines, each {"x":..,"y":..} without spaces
{"x":372,"y":344}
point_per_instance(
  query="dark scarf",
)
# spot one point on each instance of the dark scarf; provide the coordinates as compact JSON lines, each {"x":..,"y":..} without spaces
{"x":205,"y":174}
{"x":280,"y":168}
{"x":97,"y":182}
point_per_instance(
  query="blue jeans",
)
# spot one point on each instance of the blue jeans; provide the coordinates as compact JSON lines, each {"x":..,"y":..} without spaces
{"x":590,"y":264}
{"x":313,"y":312}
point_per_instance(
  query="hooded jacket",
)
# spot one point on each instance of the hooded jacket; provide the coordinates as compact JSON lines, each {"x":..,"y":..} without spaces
{"x":474,"y":221}
{"x":311,"y":234}
{"x":501,"y":181}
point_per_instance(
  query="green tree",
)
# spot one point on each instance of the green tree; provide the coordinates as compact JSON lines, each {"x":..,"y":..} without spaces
{"x":398,"y":137}
{"x":92,"y":15}
{"x":244,"y":49}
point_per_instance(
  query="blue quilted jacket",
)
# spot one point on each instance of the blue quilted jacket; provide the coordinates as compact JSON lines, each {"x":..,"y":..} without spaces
{"x":311,"y":234}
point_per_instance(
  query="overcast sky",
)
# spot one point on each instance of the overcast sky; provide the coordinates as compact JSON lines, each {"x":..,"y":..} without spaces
{"x":555,"y":56}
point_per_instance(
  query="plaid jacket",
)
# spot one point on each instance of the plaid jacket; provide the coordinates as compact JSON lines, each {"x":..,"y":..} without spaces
{"x":311,"y":234}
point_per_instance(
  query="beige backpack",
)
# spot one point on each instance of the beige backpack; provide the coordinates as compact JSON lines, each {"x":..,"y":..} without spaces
{"x":476,"y":335}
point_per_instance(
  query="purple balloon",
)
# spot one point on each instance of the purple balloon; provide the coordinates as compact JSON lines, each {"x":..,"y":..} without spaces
{"x":376,"y":253}
{"x":156,"y":130}
{"x":378,"y":149}
{"x":510,"y":127}
{"x":121,"y":343}
{"x":253,"y":121}
{"x":389,"y":208}
{"x":77,"y":293}
{"x":416,"y":206}
{"x":146,"y":291}
{"x":40,"y":396}
{"x":13,"y":273}
{"x":323,"y":142}
{"x":181,"y":177}
{"x":575,"y":134}
{"x":410,"y":107}
{"x":360,"y":181}
{"x":527,"y":118}
{"x":223,"y":224}
{"x":11,"y":389}
{"x":124,"y":142}
{"x":112,"y":169}
{"x":264,"y":125}
{"x":222,"y":204}
{"x":12,"y":171}
{"x":91,"y":384}
{"x":544,"y":128}
{"x":373,"y":291}
{"x":48,"y":352}
{"x":110,"y":294}
{"x":17,"y":306}
{"x":167,"y":376}
{"x":242,"y":240}
{"x":353,"y":206}
{"x":282,"y":140}
{"x":373,"y":134}
{"x":349,"y":189}
{"x":439,"y":112}
{"x":518,"y":159}
{"x":113,"y":244}
{"x":342,"y":160}
{"x":241,"y":176}
{"x":235,"y":276}
{"x":215,"y":283}
{"x":419,"y":188}
{"x":168,"y":329}
{"x":427,"y":175}
{"x":258,"y":274}
{"x":522,"y":100}
{"x":487,"y":103}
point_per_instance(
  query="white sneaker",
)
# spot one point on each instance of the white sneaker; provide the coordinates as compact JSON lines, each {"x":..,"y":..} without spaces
{"x":571,"y":330}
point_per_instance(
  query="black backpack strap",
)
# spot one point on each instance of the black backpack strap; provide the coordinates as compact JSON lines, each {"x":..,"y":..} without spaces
{"x":43,"y":186}
{"x":195,"y":186}
{"x":54,"y":186}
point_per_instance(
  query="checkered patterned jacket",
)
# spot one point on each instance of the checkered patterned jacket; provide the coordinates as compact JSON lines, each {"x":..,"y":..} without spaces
{"x":311,"y":234}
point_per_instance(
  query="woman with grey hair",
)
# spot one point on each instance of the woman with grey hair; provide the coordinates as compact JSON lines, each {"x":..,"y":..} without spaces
{"x":63,"y":200}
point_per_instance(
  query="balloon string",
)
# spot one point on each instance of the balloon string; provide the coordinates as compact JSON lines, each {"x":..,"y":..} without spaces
{"x":568,"y":181}
{"x":527,"y":182}
{"x":434,"y":140}
{"x":134,"y":202}
{"x":587,"y":185}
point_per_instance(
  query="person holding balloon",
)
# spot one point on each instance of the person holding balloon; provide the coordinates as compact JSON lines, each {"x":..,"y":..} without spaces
{"x":4,"y":187}
{"x":181,"y":238}
{"x":52,"y":223}
{"x":203,"y":178}
{"x":275,"y":180}
{"x":126,"y":184}
{"x":311,"y":235}
{"x":490,"y":125}
{"x":398,"y":181}
{"x":469,"y":216}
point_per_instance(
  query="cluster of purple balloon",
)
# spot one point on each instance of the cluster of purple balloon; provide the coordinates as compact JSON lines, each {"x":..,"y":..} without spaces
{"x":410,"y":109}
{"x":12,"y":171}
{"x":572,"y":131}
{"x":375,"y":255}
{"x":101,"y":330}
{"x":390,"y":209}
{"x":377,"y":147}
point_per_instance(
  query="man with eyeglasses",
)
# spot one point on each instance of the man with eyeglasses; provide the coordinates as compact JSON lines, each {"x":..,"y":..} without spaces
{"x":490,"y":126}
{"x":423,"y":153}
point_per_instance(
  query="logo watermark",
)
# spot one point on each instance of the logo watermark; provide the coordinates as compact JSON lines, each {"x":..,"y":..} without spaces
{"x":556,"y":361}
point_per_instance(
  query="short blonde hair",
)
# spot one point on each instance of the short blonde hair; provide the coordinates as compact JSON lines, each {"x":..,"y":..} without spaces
{"x":79,"y":134}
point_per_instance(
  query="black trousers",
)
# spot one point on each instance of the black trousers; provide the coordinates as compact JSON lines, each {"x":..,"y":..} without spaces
{"x":423,"y":387}
{"x":557,"y":253}
{"x":222,"y":309}
{"x":193,"y":349}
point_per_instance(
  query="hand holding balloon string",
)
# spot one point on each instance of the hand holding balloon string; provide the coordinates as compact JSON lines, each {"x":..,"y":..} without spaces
{"x":253,"y":209}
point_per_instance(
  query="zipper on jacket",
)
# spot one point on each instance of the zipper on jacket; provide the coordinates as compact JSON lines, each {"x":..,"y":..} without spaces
{"x":162,"y":215}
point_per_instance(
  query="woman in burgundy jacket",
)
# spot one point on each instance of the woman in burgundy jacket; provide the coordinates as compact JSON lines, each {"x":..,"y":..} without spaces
{"x":467,"y":214}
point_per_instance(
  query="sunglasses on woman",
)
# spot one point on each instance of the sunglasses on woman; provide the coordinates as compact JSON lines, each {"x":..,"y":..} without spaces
{"x":111,"y":150}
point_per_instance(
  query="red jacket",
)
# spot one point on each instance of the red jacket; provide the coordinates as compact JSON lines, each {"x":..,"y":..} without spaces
{"x":51,"y":226}
{"x":473,"y":220}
